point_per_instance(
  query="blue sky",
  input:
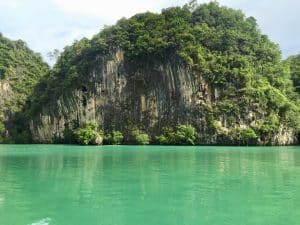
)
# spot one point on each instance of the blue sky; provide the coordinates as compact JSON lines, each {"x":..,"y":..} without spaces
{"x":52,"y":24}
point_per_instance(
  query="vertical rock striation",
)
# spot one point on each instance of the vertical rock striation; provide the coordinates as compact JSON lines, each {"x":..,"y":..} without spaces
{"x":124,"y":96}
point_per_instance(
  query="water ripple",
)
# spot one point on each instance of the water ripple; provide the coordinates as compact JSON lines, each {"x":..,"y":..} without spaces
{"x":45,"y":221}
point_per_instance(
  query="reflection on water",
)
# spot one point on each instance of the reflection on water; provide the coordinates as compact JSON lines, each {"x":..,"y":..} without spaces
{"x":149,"y":185}
{"x":1,"y":201}
{"x":45,"y":221}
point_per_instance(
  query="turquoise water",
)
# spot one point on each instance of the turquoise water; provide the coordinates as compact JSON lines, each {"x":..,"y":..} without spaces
{"x":130,"y":185}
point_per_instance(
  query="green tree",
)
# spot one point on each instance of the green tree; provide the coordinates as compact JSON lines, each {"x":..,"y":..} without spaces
{"x":89,"y":134}
{"x":244,"y":136}
{"x":167,"y":137}
{"x":114,"y":138}
{"x":140,"y":138}
{"x":69,"y":136}
{"x":182,"y":135}
{"x":2,"y":132}
{"x":294,"y":62}
{"x":185,"y":135}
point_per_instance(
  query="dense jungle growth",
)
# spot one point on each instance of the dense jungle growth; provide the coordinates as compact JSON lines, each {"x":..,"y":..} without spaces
{"x":20,"y":70}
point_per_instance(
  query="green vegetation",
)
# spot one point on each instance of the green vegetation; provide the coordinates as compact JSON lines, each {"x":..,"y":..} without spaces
{"x":2,"y":132}
{"x":244,"y":136}
{"x":21,"y":68}
{"x":140,"y":138}
{"x":114,"y":138}
{"x":20,"y":71}
{"x":89,"y":134}
{"x":294,"y":62}
{"x":182,"y":135}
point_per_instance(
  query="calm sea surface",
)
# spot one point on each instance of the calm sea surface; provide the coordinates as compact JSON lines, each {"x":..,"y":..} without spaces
{"x":131,"y":185}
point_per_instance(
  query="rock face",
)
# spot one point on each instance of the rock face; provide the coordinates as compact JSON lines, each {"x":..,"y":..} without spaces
{"x":5,"y":95}
{"x":123,"y":96}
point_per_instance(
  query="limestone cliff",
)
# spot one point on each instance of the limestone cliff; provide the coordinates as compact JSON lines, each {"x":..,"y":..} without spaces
{"x":124,"y":96}
{"x":202,"y":65}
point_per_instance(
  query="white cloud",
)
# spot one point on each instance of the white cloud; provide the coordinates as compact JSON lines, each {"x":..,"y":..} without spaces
{"x":10,"y":4}
{"x":111,"y":10}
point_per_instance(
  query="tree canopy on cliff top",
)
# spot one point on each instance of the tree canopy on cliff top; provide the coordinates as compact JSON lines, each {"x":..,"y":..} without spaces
{"x":21,"y":68}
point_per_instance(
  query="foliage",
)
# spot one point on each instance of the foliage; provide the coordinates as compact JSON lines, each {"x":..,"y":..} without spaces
{"x":167,"y":137}
{"x":294,"y":63}
{"x":22,"y":68}
{"x":2,"y":128}
{"x":182,"y":135}
{"x":23,"y":137}
{"x":140,"y":138}
{"x":89,"y":134}
{"x":243,"y":136}
{"x":2,"y":132}
{"x":20,"y":71}
{"x":114,"y":138}
{"x":69,"y":136}
{"x":185,"y":135}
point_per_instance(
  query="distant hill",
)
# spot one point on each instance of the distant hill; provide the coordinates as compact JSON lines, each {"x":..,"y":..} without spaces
{"x":20,"y":70}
